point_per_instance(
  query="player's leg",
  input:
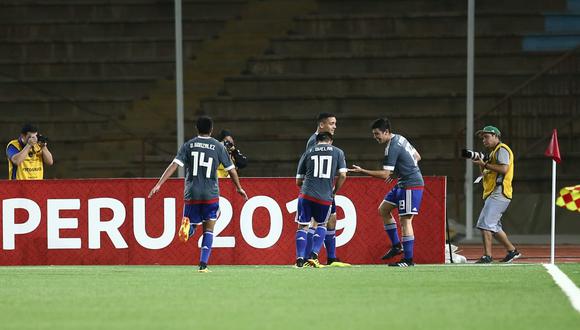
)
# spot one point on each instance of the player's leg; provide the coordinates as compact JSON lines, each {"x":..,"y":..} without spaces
{"x":409,"y":205}
{"x":320,"y":213}
{"x":385,"y":209}
{"x":209,"y":212}
{"x":187,"y":229}
{"x":309,"y":237}
{"x":303,"y":216}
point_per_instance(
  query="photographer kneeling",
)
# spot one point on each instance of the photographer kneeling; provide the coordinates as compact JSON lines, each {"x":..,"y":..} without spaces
{"x":239,"y":160}
{"x":27,"y":155}
{"x":497,"y":171}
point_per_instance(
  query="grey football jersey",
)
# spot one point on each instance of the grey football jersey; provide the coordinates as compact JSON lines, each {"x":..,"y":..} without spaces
{"x":201,"y":157}
{"x":318,"y":166}
{"x":311,"y":141}
{"x":399,"y":159}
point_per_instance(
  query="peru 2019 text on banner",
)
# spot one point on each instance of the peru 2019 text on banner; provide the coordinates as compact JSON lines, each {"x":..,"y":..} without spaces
{"x":111,"y":221}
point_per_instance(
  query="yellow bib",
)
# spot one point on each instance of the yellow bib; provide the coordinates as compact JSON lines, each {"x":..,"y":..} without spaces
{"x":490,"y":177}
{"x":32,"y":168}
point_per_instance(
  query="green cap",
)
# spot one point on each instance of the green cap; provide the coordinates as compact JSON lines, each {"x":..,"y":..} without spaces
{"x":489,"y":129}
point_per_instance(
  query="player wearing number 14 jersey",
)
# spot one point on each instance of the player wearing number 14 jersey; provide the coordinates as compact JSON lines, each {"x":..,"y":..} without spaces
{"x":201,"y":157}
{"x":316,"y":173}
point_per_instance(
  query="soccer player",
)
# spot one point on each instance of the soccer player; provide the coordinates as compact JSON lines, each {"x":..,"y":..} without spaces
{"x":326,"y":123}
{"x":400,"y":160}
{"x":317,"y":169}
{"x":201,"y":157}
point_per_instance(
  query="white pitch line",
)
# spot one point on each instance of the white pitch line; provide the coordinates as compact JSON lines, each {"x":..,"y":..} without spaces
{"x":566,"y":284}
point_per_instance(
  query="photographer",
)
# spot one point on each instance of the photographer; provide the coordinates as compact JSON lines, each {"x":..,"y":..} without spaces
{"x":497,"y":172}
{"x":27,"y":155}
{"x":238,"y":159}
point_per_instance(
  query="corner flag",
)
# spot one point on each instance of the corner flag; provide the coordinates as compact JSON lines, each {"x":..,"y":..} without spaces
{"x":553,"y":150}
{"x":569,"y":198}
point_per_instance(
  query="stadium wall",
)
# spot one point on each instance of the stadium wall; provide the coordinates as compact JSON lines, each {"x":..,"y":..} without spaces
{"x":111,"y":221}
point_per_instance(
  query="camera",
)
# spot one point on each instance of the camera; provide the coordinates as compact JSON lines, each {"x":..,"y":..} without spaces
{"x":41,"y":138}
{"x":229,"y":145}
{"x":466,"y":153}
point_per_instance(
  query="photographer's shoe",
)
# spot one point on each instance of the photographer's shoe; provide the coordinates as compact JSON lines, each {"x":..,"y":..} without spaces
{"x":484,"y":260}
{"x":394,"y":251}
{"x":511,"y":256}
{"x":184,"y":229}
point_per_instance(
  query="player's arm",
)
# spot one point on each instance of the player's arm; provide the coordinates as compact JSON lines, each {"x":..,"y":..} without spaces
{"x":416,"y":155}
{"x":301,"y":172}
{"x":379,"y":174}
{"x":339,"y":182}
{"x":236,"y":180}
{"x":166,"y":175}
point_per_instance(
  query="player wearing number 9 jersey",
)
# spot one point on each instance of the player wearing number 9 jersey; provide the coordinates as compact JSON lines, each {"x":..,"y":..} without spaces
{"x":201,"y":157}
{"x":400,"y":160}
{"x":316,"y":173}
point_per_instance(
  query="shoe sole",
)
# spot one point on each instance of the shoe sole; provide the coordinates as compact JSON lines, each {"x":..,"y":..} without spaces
{"x":184,"y":230}
{"x":204,"y":271}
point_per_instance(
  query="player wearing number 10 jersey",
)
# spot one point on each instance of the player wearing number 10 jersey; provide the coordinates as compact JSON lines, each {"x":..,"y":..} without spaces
{"x":317,"y":169}
{"x":201,"y":157}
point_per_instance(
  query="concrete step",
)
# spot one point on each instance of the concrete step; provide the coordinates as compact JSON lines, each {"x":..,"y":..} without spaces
{"x":92,"y":68}
{"x":417,"y":24}
{"x":368,"y":45}
{"x":134,"y":87}
{"x":411,"y":6}
{"x":42,"y":108}
{"x":519,"y":62}
{"x":256,"y":108}
{"x":136,"y":27}
{"x":372,"y":84}
{"x":93,"y":10}
{"x":99,"y":49}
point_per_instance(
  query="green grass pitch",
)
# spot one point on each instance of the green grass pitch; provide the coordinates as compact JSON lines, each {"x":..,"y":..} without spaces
{"x":281,"y":297}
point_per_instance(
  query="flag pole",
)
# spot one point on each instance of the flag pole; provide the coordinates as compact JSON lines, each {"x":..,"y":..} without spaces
{"x":553,"y":232}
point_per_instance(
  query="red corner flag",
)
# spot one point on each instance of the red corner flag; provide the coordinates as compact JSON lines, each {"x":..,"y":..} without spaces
{"x":553,"y":151}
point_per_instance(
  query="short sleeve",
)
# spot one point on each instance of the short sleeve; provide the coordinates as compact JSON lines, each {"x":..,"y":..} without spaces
{"x":341,"y":163}
{"x":11,"y":151}
{"x":181,"y":157}
{"x":301,"y":172}
{"x":503,"y":156}
{"x":391,"y":156}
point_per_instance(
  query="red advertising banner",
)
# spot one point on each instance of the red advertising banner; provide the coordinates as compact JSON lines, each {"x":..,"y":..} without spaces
{"x":111,"y":221}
